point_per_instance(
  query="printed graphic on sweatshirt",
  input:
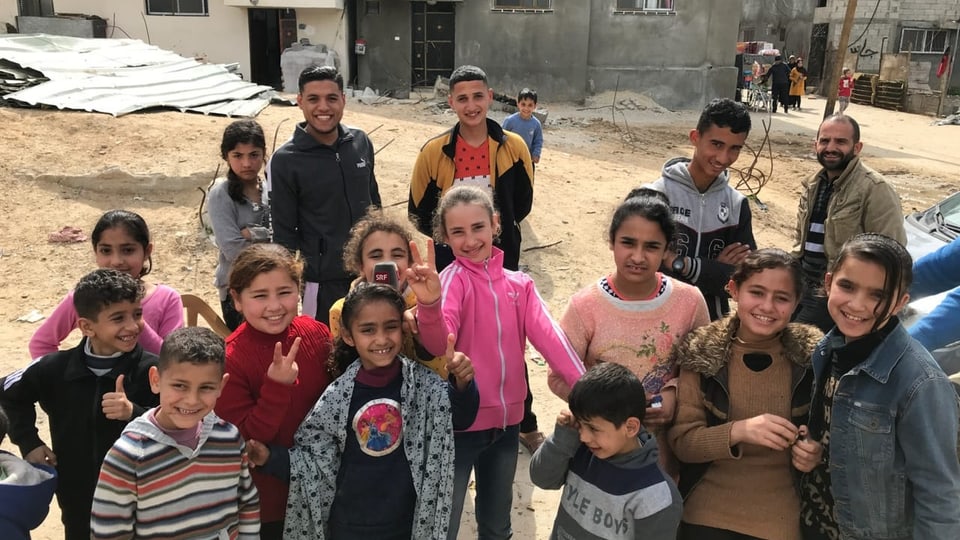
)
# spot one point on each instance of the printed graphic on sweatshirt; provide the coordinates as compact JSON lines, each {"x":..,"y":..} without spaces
{"x":644,"y":352}
{"x":606,"y":515}
{"x":378,"y":427}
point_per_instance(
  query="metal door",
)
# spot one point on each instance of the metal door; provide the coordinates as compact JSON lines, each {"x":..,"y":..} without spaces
{"x":433,"y":44}
{"x":818,"y":50}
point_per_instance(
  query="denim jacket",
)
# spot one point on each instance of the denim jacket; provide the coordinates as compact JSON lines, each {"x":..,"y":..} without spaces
{"x":894,"y":470}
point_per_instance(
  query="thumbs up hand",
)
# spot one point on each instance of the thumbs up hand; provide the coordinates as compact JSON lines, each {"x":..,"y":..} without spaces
{"x":115,"y":404}
{"x":458,"y":364}
{"x":284,"y":369}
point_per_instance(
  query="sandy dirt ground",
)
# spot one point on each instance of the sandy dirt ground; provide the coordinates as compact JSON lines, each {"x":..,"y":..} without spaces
{"x":67,"y":168}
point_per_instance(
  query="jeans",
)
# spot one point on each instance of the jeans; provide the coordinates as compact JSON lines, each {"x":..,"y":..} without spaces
{"x":529,"y":422}
{"x":492,"y":453}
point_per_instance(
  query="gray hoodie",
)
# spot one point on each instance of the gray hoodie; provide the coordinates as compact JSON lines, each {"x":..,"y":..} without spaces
{"x":624,"y":497}
{"x":706,"y":223}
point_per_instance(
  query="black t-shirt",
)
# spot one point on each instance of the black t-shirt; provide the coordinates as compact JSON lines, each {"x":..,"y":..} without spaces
{"x":375,"y":492}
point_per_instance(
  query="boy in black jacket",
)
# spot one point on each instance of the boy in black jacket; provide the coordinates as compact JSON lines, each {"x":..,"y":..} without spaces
{"x":89,"y":392}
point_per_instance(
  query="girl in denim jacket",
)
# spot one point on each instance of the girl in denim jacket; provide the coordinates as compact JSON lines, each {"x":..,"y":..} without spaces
{"x":886,"y":415}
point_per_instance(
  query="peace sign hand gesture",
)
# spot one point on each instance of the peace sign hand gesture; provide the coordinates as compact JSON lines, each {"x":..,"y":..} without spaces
{"x":284,"y":369}
{"x":422,"y":276}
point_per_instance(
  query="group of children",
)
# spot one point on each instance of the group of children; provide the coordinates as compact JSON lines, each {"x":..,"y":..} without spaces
{"x":747,"y":427}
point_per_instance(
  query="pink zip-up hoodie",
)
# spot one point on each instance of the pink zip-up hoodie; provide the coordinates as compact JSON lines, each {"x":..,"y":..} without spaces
{"x":493,"y":312}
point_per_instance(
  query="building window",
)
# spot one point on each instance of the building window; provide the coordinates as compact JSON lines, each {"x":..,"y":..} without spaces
{"x":522,"y":5}
{"x":177,"y":7}
{"x":918,"y":40}
{"x":645,"y":6}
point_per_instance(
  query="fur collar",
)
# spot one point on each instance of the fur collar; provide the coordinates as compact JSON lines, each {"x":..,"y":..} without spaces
{"x":698,"y":350}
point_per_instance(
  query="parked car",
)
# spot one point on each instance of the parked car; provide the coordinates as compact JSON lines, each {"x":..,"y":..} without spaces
{"x":927,"y":231}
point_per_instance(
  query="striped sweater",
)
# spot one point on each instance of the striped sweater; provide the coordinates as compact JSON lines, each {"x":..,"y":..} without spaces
{"x":151,"y":487}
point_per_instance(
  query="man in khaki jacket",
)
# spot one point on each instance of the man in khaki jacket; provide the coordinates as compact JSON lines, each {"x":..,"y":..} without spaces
{"x":844,"y":199}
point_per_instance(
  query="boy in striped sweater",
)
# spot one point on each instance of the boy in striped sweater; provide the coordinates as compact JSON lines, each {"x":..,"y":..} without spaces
{"x":179,"y":471}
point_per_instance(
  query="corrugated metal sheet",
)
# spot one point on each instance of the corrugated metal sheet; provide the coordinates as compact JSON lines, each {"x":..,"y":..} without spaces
{"x":120,"y":76}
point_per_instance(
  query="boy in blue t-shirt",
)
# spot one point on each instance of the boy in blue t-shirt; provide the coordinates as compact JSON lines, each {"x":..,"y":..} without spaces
{"x":525,"y":124}
{"x":607,"y":464}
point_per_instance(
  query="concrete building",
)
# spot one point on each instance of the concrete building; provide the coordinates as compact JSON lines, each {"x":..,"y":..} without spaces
{"x":785,"y":23}
{"x":888,"y":28}
{"x":252,"y":33}
{"x":681,"y":54}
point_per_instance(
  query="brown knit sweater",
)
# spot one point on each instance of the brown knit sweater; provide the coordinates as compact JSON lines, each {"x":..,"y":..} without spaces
{"x":748,"y":489}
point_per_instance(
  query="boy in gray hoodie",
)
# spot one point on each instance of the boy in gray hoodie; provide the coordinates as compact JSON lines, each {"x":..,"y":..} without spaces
{"x":714,"y":224}
{"x":607,"y":464}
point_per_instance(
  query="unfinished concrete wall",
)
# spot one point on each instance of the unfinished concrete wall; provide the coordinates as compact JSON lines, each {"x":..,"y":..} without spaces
{"x":8,"y":14}
{"x":546,"y":51}
{"x":327,"y":27}
{"x":387,"y":62}
{"x":221,"y":37}
{"x":785,"y":23}
{"x":681,"y":60}
{"x":880,"y":30}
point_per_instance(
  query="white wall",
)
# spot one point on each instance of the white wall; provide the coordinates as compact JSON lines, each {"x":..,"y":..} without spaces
{"x":8,"y":14}
{"x":222,"y":37}
{"x":327,"y":27}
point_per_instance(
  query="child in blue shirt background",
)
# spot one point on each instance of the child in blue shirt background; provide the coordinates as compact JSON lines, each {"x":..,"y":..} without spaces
{"x":525,"y":124}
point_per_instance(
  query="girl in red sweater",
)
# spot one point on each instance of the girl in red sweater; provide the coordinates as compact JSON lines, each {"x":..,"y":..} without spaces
{"x":276,"y":361}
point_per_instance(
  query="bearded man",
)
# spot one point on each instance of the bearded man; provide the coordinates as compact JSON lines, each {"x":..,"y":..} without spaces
{"x":844,"y":199}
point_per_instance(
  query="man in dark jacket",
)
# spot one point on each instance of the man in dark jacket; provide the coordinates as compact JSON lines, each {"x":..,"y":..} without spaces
{"x":321,"y":182}
{"x":779,"y":74}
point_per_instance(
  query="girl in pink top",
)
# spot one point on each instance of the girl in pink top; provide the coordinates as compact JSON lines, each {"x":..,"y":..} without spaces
{"x":121,"y":241}
{"x":492,"y":312}
{"x":634,"y":315}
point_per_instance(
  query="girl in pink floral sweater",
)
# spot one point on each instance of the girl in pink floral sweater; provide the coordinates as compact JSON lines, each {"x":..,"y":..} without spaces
{"x":634,"y":315}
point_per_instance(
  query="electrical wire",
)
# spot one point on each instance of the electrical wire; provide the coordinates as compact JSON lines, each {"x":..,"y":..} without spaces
{"x":869,"y":22}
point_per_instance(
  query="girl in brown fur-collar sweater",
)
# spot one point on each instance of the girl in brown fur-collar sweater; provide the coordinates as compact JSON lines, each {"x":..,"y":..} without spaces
{"x":744,"y":393}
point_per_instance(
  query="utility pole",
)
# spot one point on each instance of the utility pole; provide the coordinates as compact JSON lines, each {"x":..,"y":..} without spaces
{"x":834,"y":78}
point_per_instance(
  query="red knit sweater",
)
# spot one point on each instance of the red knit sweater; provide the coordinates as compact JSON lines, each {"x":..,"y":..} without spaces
{"x":266,"y":410}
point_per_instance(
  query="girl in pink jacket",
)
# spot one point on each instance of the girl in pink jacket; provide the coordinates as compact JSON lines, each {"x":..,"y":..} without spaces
{"x":492,"y":312}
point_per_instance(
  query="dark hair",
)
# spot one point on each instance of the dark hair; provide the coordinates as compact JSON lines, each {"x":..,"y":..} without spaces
{"x":769,"y":259}
{"x":244,"y":131}
{"x":130,"y":222}
{"x":467,"y":73}
{"x":257,"y":259}
{"x":647,"y":192}
{"x":320,"y":73}
{"x":650,"y":207}
{"x":194,"y":344}
{"x":888,"y":254}
{"x":725,"y":113}
{"x":527,"y":93}
{"x":362,"y":294}
{"x":459,"y":195}
{"x":375,"y":220}
{"x":102,"y":288}
{"x":609,"y":391}
{"x":4,"y":425}
{"x":842,"y":118}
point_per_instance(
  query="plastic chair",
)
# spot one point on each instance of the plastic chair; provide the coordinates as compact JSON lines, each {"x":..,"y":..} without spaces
{"x":196,"y":306}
